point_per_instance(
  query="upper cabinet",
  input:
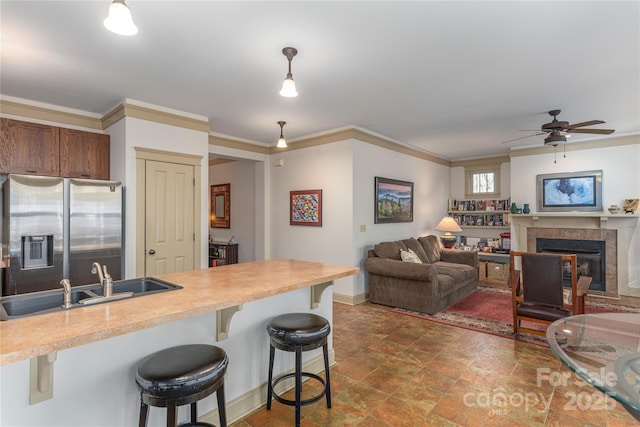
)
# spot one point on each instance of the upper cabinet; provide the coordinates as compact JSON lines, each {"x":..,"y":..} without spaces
{"x":84,"y":154}
{"x":30,"y":148}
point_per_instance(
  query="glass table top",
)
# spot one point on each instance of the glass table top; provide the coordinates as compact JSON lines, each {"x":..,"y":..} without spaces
{"x":604,"y":350}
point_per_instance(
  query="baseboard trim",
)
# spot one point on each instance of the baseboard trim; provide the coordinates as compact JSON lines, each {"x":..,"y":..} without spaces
{"x":252,"y":400}
{"x":351,"y":299}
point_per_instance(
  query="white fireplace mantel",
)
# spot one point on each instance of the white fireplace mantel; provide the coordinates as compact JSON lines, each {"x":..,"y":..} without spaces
{"x":598,"y":217}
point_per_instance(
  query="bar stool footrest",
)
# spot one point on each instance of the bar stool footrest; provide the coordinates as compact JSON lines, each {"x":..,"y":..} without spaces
{"x":302,"y":402}
{"x":196,"y":424}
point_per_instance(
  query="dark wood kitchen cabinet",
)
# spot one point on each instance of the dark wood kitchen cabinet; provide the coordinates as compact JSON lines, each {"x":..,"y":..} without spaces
{"x":31,"y":148}
{"x":84,"y":154}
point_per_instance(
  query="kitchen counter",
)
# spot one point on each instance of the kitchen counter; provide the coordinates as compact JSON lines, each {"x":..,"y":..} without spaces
{"x":204,"y":291}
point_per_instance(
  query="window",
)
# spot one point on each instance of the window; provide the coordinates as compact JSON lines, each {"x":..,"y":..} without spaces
{"x":482,"y":182}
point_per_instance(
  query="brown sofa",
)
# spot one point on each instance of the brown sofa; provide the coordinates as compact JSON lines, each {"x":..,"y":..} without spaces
{"x":442,"y":278}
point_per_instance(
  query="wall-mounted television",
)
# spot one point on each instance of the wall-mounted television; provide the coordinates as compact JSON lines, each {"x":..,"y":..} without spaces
{"x":570,"y":192}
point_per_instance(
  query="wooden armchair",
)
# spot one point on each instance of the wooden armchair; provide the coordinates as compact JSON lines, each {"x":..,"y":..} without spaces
{"x":538,"y":293}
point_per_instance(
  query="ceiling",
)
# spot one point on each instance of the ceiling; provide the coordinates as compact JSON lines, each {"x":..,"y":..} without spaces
{"x":455,"y":79}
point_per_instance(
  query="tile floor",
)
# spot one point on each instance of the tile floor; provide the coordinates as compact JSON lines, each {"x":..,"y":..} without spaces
{"x":395,"y":370}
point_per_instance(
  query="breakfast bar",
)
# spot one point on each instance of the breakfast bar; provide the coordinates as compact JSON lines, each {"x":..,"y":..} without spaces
{"x":94,"y":349}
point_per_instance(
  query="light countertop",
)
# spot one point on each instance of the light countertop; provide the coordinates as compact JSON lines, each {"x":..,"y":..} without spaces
{"x":204,"y":291}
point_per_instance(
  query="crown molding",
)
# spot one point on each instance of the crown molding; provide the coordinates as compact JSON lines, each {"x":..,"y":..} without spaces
{"x":222,"y":141}
{"x":479,"y":163}
{"x":49,"y":114}
{"x":127,"y":109}
{"x":360,"y":135}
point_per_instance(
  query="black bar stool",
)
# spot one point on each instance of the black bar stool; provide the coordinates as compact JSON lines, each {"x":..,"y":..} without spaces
{"x":179,"y":376}
{"x":298,"y":332}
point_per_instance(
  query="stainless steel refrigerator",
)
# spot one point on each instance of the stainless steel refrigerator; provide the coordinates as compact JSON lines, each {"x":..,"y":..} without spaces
{"x":55,"y":228}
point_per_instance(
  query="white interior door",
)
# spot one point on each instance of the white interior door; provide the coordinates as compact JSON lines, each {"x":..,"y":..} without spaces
{"x":169,"y":211}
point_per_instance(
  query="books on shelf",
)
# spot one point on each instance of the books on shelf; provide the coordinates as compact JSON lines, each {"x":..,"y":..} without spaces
{"x":479,"y":205}
{"x":482,"y":220}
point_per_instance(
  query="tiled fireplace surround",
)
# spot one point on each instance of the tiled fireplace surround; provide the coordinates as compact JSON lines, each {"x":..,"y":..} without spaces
{"x":615,"y":230}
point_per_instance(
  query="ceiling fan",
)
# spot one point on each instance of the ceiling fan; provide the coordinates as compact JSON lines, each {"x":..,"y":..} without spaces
{"x":558,"y":130}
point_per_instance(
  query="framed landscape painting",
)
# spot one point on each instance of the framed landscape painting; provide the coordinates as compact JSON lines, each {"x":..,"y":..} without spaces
{"x":394,"y":200}
{"x":305,"y":207}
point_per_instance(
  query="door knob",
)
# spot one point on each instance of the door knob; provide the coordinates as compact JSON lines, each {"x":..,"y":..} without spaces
{"x":152,"y":252}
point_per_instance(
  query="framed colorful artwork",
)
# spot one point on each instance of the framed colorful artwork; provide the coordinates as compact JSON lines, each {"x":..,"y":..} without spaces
{"x":394,"y":200}
{"x":305,"y":207}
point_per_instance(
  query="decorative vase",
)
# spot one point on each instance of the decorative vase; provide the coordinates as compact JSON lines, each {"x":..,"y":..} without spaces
{"x":514,"y":208}
{"x":526,"y":209}
{"x":614,"y":209}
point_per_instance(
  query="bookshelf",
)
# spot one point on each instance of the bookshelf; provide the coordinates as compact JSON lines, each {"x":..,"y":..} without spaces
{"x":490,"y":213}
{"x":223,"y":254}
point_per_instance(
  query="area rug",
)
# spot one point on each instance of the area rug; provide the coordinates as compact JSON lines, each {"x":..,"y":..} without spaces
{"x":489,"y":310}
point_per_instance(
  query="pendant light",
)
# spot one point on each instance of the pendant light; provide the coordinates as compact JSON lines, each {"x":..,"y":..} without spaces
{"x":282,"y":143}
{"x":119,"y":20}
{"x":289,"y":86}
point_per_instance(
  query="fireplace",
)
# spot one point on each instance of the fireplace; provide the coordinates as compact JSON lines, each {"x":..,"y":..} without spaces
{"x":584,"y":236}
{"x":590,"y":254}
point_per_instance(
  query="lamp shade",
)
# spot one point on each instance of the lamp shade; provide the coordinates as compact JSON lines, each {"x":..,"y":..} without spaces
{"x":119,"y":20}
{"x":448,"y":224}
{"x":289,"y":87}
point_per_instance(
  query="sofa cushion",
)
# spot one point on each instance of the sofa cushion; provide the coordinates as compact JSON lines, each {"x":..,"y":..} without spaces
{"x":389,"y":250}
{"x":431,"y":246}
{"x":417,"y":248}
{"x":445,"y":285}
{"x":459,"y":272}
{"x":410,"y":256}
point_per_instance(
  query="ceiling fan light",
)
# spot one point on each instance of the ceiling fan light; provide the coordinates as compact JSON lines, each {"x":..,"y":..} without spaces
{"x":289,"y":87}
{"x":554,"y":139}
{"x":119,"y":20}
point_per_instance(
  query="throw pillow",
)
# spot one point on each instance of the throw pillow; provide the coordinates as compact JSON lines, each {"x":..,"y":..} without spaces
{"x":416,"y":247}
{"x":410,"y":256}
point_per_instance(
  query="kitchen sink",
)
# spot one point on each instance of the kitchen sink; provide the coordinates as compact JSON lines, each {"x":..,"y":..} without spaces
{"x":31,"y":304}
{"x":143,"y":285}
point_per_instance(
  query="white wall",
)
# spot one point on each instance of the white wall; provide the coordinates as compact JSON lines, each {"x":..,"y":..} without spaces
{"x":431,"y":192}
{"x":158,"y":136}
{"x":620,"y":167}
{"x":326,"y":167}
{"x":241,"y":175}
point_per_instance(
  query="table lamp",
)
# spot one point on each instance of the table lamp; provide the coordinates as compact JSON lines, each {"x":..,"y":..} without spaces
{"x":448,"y":225}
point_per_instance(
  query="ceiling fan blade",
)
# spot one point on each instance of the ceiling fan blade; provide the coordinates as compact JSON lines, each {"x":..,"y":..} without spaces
{"x":596,"y":131}
{"x":523,"y":137}
{"x":582,"y":124}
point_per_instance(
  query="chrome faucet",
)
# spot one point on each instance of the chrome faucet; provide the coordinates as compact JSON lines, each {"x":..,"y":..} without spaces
{"x":105,"y":278}
{"x":96,"y":268}
{"x":66,"y":293}
{"x":107,"y":283}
